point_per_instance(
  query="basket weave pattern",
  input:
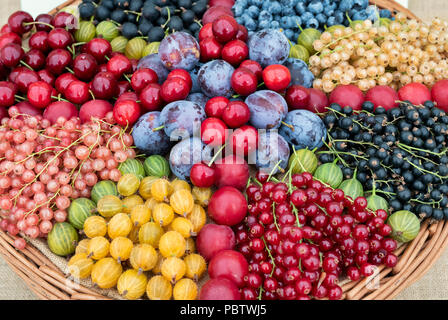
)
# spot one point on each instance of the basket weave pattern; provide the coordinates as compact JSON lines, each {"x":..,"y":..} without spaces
{"x":45,"y":273}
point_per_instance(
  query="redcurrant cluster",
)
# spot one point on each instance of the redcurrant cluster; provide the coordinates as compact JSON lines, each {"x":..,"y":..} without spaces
{"x":301,"y":237}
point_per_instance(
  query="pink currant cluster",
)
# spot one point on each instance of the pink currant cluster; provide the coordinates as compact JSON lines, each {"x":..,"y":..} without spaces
{"x":301,"y":237}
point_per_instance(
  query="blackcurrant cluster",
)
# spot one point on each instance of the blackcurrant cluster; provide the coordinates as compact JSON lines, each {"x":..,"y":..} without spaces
{"x":400,"y":154}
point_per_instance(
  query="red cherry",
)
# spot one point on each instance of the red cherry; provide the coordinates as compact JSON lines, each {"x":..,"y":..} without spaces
{"x":213,"y":132}
{"x":24,"y":78}
{"x":318,"y":101}
{"x":104,"y":86}
{"x":210,"y":49}
{"x":297,"y":97}
{"x":35,"y":59}
{"x":235,"y":52}
{"x":225,"y":28}
{"x":236,"y":114}
{"x":244,"y":81}
{"x":63,"y":81}
{"x":19,"y":22}
{"x":183,"y":74}
{"x":85,"y":66}
{"x":124,"y":87}
{"x":59,"y":38}
{"x":65,"y":20}
{"x":58,"y":60}
{"x":206,"y":32}
{"x":202,"y":176}
{"x":8,"y":91}
{"x":253,"y":66}
{"x":150,"y":97}
{"x":126,"y":112}
{"x":46,"y":76}
{"x":77,"y":92}
{"x":99,"y":48}
{"x":119,"y":65}
{"x":276,"y":77}
{"x":8,"y":38}
{"x":39,"y":41}
{"x":102,"y":68}
{"x":5,"y":29}
{"x":142,"y":77}
{"x":244,"y":140}
{"x":11,"y":54}
{"x":47,"y":21}
{"x":242,"y":33}
{"x":39,"y":94}
{"x":215,"y":106}
{"x":128,"y":96}
{"x":174,"y":89}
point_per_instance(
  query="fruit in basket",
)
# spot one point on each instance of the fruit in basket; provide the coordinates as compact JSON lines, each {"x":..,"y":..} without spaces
{"x":133,"y":166}
{"x":375,"y":202}
{"x":185,"y":289}
{"x":416,"y":93}
{"x":150,"y":233}
{"x":107,"y":30}
{"x":178,"y":184}
{"x":120,"y":248}
{"x":143,"y":257}
{"x":202,"y":195}
{"x":303,"y":160}
{"x":130,"y":202}
{"x":219,"y":289}
{"x":172,"y":244}
{"x":59,"y":109}
{"x":439,"y":95}
{"x":276,"y":77}
{"x":128,"y":184}
{"x":118,"y":44}
{"x":163,"y":214}
{"x":95,"y":226}
{"x":229,"y":264}
{"x":145,"y":187}
{"x":214,"y":78}
{"x":134,"y":48}
{"x":183,"y":226}
{"x":62,"y":239}
{"x":182,"y":202}
{"x":109,"y":205}
{"x":272,"y":153}
{"x":299,"y":52}
{"x":106,"y":272}
{"x":268,"y":47}
{"x":405,"y":225}
{"x":119,"y":226}
{"x":173,"y":269}
{"x":151,"y":48}
{"x":140,"y":215}
{"x":353,"y":188}
{"x":231,"y":171}
{"x":161,"y":189}
{"x":196,"y":266}
{"x":80,"y":266}
{"x":197,"y":218}
{"x":80,"y":209}
{"x":213,"y":238}
{"x":181,"y":119}
{"x":86,"y":31}
{"x":82,"y":246}
{"x":148,"y":137}
{"x":157,"y":166}
{"x":103,"y":188}
{"x":329,"y":174}
{"x":179,"y":50}
{"x":132,"y":284}
{"x":159,"y":288}
{"x":98,"y":248}
{"x":347,"y":95}
{"x":267,"y":109}
{"x":383,"y":96}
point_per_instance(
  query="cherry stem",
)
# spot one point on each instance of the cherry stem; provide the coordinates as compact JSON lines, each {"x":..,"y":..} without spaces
{"x":169,"y":18}
{"x":38,"y":22}
{"x":275,"y":217}
{"x":216,"y":155}
{"x":69,"y":70}
{"x":127,"y":78}
{"x":59,"y":98}
{"x":19,"y":97}
{"x":92,"y":95}
{"x":26,"y":65}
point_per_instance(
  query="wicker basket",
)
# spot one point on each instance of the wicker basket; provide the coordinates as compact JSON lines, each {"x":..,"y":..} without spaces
{"x":37,"y":267}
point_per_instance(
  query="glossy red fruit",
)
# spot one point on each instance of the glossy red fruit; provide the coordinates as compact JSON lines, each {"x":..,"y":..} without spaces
{"x":63,"y":81}
{"x":439,"y":93}
{"x":47,"y":77}
{"x":347,"y":95}
{"x":202,"y":176}
{"x":244,"y":140}
{"x":47,"y":21}
{"x":65,"y":20}
{"x":11,"y":54}
{"x":85,"y":66}
{"x":213,"y":238}
{"x":104,"y":86}
{"x":227,"y":206}
{"x":119,"y":65}
{"x":35,"y":59}
{"x":232,"y":171}
{"x":99,"y":48}
{"x":174,"y":89}
{"x":206,"y":32}
{"x":383,"y":96}
{"x":58,"y":60}
{"x":235,"y":52}
{"x":94,"y":109}
{"x":39,"y":94}
{"x":183,"y":74}
{"x":253,"y":66}
{"x":210,"y":49}
{"x":128,"y":96}
{"x":8,"y":38}
{"x":276,"y":77}
{"x":318,"y":101}
{"x":236,"y":114}
{"x":219,"y":289}
{"x":150,"y":97}
{"x":123,"y":87}
{"x":244,"y":82}
{"x":229,"y":264}
{"x":242,"y":33}
{"x":7,"y":92}
{"x":297,"y":97}
{"x":77,"y":92}
{"x":59,"y":109}
{"x":142,"y":77}
{"x":126,"y":112}
{"x":59,"y":38}
{"x":215,"y":106}
{"x":25,"y":107}
{"x":416,"y":93}
{"x":25,"y":77}
{"x":214,"y":13}
{"x":19,"y":22}
{"x":225,"y":28}
{"x":5,"y":29}
{"x":213,"y":132}
{"x":39,"y":41}
{"x":224,"y":3}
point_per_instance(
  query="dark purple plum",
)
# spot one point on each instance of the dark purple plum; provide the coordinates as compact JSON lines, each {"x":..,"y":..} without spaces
{"x":146,"y":139}
{"x":214,"y":78}
{"x":267,"y":109}
{"x":300,"y":73}
{"x":179,"y":50}
{"x":153,"y":62}
{"x":185,"y":154}
{"x":198,"y":98}
{"x":303,"y":129}
{"x":268,"y":46}
{"x":182,"y":119}
{"x":272,"y":150}
{"x":194,"y":79}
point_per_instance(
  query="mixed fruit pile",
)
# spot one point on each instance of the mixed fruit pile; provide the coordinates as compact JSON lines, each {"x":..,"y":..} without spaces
{"x":278,"y":147}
